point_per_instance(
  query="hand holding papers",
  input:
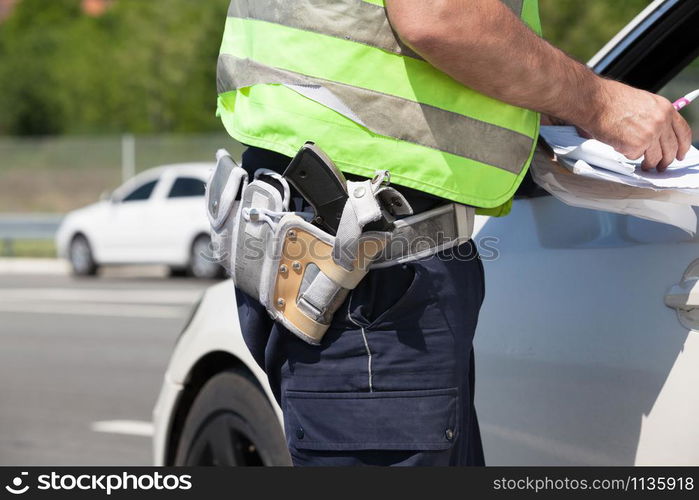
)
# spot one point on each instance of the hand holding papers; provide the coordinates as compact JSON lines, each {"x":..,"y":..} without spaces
{"x":571,"y":147}
{"x":601,"y":178}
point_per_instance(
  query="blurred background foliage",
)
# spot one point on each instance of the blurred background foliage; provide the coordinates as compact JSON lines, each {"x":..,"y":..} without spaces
{"x":582,"y":27}
{"x":141,"y":67}
{"x":149,"y":66}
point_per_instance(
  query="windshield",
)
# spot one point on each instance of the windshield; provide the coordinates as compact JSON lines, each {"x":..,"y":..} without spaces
{"x":684,"y":83}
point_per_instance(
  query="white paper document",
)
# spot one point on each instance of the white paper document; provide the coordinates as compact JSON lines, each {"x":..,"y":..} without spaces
{"x":672,"y":178}
{"x":601,"y":178}
{"x":568,"y":144}
{"x":668,"y":207}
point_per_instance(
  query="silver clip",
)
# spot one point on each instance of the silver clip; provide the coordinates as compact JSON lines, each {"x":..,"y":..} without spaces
{"x":381,"y":178}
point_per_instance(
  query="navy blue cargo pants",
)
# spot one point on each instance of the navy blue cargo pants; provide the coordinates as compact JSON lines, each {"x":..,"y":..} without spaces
{"x":392,"y":382}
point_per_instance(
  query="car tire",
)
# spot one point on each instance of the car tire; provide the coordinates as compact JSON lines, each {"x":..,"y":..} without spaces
{"x":82,"y":262}
{"x":201,"y":264}
{"x":231,"y":423}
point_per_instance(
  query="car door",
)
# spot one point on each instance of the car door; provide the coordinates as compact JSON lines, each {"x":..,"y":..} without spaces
{"x":129,"y":232}
{"x":579,"y":360}
{"x":182,"y":215}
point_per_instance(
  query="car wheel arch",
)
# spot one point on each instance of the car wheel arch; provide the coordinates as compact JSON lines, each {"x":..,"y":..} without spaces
{"x":81,"y":233}
{"x":196,"y":236}
{"x":219,"y":272}
{"x":206,"y":367}
{"x":78,"y":233}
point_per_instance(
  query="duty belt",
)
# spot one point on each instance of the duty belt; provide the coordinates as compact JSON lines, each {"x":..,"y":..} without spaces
{"x":301,"y":272}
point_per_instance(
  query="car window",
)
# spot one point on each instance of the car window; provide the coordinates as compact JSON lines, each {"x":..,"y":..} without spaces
{"x":685,"y":82}
{"x":184,"y":187}
{"x":142,"y":192}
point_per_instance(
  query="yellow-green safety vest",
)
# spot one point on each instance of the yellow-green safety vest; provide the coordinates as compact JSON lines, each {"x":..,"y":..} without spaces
{"x":335,"y":73}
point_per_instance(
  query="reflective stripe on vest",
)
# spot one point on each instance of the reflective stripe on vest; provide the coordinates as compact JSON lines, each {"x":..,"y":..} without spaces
{"x":336,"y":71}
{"x":360,"y":21}
{"x":387,"y":115}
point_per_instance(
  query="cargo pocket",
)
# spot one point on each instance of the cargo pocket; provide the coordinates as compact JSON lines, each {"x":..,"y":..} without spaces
{"x":393,"y":420}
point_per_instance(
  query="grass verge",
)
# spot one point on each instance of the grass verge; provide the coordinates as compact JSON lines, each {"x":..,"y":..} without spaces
{"x":28,"y":248}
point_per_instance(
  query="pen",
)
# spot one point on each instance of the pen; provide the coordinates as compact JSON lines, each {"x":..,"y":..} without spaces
{"x":684,"y":101}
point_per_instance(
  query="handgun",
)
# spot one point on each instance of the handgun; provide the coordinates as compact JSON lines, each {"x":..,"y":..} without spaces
{"x":321,"y":184}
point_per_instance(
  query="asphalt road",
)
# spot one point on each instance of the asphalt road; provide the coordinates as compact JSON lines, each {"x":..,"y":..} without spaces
{"x":81,"y":362}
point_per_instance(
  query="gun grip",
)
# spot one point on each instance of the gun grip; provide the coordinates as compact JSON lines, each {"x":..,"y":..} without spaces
{"x":320,"y":183}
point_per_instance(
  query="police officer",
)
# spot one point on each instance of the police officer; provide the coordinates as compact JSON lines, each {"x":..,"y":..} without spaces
{"x":447,"y":95}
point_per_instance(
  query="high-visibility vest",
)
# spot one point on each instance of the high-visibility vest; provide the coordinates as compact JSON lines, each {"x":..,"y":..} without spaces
{"x":334,"y":72}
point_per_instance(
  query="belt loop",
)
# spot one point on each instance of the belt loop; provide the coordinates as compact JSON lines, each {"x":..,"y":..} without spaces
{"x":465,"y":217}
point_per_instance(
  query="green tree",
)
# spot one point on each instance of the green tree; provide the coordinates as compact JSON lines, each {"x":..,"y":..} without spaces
{"x":142,"y":67}
{"x":162,"y":63}
{"x":31,"y":43}
{"x":582,"y":27}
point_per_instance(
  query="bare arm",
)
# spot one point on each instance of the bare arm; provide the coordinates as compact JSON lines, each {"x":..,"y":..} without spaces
{"x":485,"y":46}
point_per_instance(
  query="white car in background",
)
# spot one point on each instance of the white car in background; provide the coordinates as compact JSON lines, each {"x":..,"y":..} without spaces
{"x":579,"y":359}
{"x":157,"y":217}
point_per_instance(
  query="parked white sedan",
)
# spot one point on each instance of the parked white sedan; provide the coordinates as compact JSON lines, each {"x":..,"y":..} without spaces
{"x":587,"y":351}
{"x":158,"y":217}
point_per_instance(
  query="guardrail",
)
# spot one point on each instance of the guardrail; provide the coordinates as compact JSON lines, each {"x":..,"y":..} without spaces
{"x":26,"y":227}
